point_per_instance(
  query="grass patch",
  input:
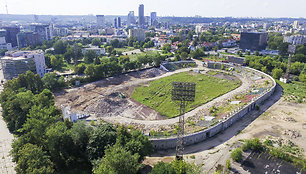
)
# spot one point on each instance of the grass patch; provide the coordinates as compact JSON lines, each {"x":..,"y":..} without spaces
{"x":157,"y":94}
{"x":294,"y":91}
{"x":125,"y":49}
{"x":148,"y":54}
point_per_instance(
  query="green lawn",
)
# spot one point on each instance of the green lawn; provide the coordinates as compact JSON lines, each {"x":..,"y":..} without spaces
{"x":125,"y":49}
{"x":148,"y":53}
{"x":157,"y":94}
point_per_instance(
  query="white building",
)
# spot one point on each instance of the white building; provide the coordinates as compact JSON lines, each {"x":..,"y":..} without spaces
{"x":295,"y":39}
{"x":18,"y":62}
{"x":97,"y":50}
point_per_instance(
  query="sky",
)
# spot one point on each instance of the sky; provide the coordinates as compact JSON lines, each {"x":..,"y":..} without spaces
{"x":204,"y":8}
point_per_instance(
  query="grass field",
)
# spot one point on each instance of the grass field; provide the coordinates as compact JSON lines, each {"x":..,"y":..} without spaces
{"x":157,"y":94}
{"x":125,"y":49}
{"x":148,"y":53}
{"x":294,"y":91}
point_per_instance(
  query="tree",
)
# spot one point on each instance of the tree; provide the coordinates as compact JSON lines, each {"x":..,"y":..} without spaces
{"x":109,"y":49}
{"x":236,"y":154}
{"x":297,"y":68}
{"x":184,"y":55}
{"x":302,"y":77}
{"x":16,"y":109}
{"x":59,"y":47}
{"x":96,"y":42}
{"x":277,"y":73}
{"x":166,"y":48}
{"x":60,"y":145}
{"x":102,"y":136}
{"x":80,"y":68}
{"x":115,"y":43}
{"x":90,"y":56}
{"x":32,"y":159}
{"x":118,"y":160}
{"x":53,"y":83}
{"x":163,"y":168}
{"x":90,"y":71}
{"x":38,"y":120}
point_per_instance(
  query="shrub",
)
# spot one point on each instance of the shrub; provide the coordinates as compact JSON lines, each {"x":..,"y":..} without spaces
{"x":236,"y":154}
{"x":228,"y":164}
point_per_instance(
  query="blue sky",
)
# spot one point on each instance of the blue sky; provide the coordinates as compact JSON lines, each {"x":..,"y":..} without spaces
{"x":208,"y":8}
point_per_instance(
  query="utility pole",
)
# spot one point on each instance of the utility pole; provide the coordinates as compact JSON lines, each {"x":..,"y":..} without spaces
{"x":183,"y":93}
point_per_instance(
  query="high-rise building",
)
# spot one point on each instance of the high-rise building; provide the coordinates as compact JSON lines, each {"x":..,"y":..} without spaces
{"x":11,"y":35}
{"x":254,"y":41}
{"x":153,"y":20}
{"x":296,"y":24}
{"x":131,"y":19}
{"x":117,"y":22}
{"x":26,"y":39}
{"x":101,"y":21}
{"x":45,"y":31}
{"x":141,"y":18}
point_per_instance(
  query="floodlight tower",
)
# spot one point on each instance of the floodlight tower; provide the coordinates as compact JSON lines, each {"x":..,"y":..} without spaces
{"x":291,"y":50}
{"x":183,"y":93}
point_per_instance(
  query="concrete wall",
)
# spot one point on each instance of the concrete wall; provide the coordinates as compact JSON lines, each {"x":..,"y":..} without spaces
{"x":169,"y":143}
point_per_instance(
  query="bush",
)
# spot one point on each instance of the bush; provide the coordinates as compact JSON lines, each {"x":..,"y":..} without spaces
{"x":253,"y":144}
{"x":228,"y":164}
{"x":236,"y":154}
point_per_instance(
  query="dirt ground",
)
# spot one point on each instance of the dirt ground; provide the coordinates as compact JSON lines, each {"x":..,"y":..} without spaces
{"x":283,"y":120}
{"x":102,"y":98}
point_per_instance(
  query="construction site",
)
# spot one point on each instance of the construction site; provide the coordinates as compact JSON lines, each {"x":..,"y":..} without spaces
{"x":110,"y":100}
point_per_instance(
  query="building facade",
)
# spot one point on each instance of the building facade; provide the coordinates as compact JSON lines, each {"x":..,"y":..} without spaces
{"x":139,"y":34}
{"x":131,"y":19}
{"x":101,"y":21}
{"x":141,"y":17}
{"x":11,"y":34}
{"x":19,"y":62}
{"x":153,"y":19}
{"x":25,"y":39}
{"x":254,"y":41}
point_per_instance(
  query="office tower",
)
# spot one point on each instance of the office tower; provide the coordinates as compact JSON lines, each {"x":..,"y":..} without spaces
{"x":115,"y":23}
{"x":153,"y":18}
{"x":119,"y":22}
{"x":100,"y":21}
{"x":131,"y":19}
{"x":254,"y":41}
{"x":141,"y":18}
{"x":11,"y":35}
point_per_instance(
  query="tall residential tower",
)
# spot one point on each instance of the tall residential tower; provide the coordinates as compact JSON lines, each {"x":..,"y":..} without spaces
{"x":141,"y":18}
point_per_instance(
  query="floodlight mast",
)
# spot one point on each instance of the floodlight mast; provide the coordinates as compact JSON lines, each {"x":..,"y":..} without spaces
{"x":182,"y":92}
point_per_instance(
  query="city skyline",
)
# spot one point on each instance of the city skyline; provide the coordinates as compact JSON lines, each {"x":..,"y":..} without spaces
{"x":217,"y":8}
